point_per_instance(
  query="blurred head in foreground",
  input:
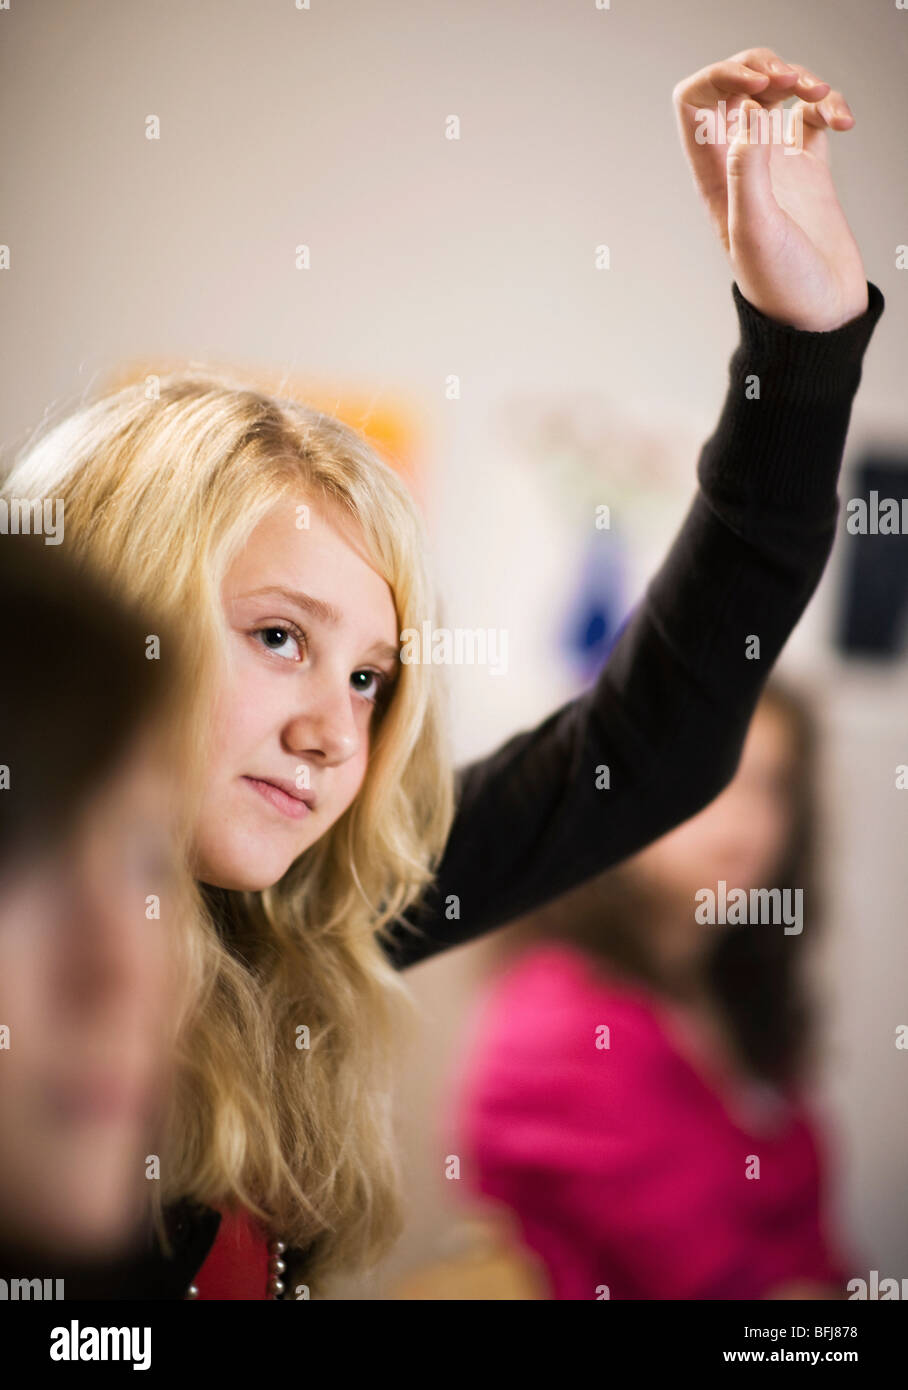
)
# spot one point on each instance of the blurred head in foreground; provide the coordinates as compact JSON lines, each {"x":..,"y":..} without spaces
{"x":88,"y":997}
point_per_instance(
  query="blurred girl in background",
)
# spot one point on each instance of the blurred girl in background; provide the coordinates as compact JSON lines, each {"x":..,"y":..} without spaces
{"x":674,"y":1157}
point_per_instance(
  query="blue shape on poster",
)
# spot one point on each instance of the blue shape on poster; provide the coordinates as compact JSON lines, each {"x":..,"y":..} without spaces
{"x":598,"y":611}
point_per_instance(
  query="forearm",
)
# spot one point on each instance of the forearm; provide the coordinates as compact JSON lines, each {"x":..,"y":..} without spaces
{"x":750,"y":553}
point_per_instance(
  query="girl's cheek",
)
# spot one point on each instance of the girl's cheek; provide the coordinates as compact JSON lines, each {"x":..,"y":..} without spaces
{"x":245,"y":700}
{"x":354,"y":777}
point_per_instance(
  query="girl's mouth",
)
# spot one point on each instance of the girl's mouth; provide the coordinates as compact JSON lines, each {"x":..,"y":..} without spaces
{"x":291,"y":806}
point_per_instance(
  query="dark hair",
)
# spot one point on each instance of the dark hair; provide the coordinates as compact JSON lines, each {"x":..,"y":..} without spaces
{"x":756,"y":977}
{"x":76,"y":687}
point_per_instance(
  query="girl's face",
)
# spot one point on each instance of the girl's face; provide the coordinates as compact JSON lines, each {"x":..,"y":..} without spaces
{"x":313,"y":646}
{"x":741,"y":836}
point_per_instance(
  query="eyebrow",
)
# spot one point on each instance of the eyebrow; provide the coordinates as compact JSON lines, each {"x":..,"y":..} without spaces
{"x":323,"y":612}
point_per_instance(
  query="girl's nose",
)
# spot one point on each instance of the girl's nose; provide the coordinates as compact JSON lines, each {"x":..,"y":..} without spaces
{"x":327,"y":727}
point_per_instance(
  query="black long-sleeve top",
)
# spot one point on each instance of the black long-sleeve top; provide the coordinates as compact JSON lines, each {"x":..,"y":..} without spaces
{"x":669,"y":711}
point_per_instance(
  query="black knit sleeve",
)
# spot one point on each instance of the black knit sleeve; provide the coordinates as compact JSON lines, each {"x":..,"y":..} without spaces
{"x":668,"y":713}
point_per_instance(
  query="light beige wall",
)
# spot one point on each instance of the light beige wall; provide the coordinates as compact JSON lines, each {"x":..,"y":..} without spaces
{"x":475,"y":257}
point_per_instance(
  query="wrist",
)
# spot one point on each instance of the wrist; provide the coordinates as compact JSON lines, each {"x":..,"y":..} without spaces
{"x":814,"y":322}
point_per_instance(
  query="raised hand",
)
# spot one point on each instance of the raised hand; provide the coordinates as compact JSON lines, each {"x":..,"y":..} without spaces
{"x":774,"y":206}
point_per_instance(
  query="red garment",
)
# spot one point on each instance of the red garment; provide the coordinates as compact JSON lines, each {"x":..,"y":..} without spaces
{"x":237,"y":1264}
{"x":627,"y":1166}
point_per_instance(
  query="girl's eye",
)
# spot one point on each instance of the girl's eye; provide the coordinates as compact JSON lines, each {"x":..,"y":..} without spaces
{"x":278,"y":637}
{"x":379,"y":685}
{"x":275,"y":639}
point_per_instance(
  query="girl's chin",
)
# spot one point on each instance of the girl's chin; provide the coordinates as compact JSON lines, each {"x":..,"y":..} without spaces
{"x":239,"y":868}
{"x":243,"y":877}
{"x":241,"y":881}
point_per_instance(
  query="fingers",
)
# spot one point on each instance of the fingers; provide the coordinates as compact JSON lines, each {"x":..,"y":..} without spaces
{"x":761,"y":74}
{"x":718,"y":82}
{"x":832,"y":112}
{"x":756,"y":221}
{"x":808,"y":86}
{"x":787,"y":79}
{"x":751,"y":205}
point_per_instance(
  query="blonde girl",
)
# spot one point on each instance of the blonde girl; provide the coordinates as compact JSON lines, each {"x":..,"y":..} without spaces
{"x":328,"y":835}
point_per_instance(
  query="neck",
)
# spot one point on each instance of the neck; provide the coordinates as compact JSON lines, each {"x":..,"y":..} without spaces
{"x":679,"y":953}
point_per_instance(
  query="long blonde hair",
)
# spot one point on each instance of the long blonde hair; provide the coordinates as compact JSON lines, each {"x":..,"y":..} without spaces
{"x":160,"y":488}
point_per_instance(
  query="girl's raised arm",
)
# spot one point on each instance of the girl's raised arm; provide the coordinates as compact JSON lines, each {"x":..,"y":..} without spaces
{"x":669,"y":711}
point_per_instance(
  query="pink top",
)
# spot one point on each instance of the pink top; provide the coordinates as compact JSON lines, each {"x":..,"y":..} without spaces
{"x":627,"y":1165}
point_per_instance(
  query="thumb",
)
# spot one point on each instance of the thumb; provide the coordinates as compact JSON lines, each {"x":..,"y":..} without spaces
{"x":750,"y":196}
